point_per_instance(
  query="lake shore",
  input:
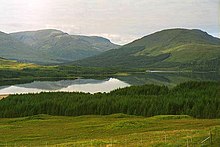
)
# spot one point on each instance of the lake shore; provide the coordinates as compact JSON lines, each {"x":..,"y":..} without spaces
{"x":3,"y":96}
{"x":179,"y":71}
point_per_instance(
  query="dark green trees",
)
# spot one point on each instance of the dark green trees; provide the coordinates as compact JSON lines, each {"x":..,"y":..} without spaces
{"x":197,"y":99}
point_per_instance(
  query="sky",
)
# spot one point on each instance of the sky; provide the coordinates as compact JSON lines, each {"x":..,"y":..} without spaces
{"x":121,"y":21}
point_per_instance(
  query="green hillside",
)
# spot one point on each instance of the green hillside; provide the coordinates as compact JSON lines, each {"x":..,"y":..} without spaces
{"x":113,"y":130}
{"x":10,"y":48}
{"x":62,"y":47}
{"x":11,"y":64}
{"x":173,"y":48}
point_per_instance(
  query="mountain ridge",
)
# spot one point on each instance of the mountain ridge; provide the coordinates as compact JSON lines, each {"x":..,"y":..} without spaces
{"x":172,"y":48}
{"x":52,"y":46}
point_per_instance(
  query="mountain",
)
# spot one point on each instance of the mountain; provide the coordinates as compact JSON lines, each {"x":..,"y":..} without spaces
{"x":62,"y":47}
{"x":11,"y":48}
{"x":173,"y":48}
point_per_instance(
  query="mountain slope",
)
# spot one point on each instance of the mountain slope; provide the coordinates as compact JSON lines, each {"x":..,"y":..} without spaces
{"x":11,"y":48}
{"x":63,"y":47}
{"x":173,"y":48}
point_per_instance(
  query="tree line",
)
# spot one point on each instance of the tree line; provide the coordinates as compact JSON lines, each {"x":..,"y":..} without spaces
{"x":197,"y":99}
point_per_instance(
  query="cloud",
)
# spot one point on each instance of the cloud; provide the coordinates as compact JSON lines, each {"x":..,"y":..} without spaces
{"x":121,"y":20}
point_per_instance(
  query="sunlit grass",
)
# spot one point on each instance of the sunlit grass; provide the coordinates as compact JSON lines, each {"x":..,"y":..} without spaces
{"x":112,"y":130}
{"x":11,"y":64}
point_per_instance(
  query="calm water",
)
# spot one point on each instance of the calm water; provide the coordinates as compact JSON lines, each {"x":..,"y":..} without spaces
{"x":107,"y":85}
{"x":79,"y":85}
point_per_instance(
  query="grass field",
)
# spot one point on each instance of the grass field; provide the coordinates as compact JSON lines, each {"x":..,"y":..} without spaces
{"x":11,"y":64}
{"x":112,"y":130}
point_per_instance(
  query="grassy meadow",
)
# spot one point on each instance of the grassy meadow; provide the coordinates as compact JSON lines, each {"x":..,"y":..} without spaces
{"x":14,"y":65}
{"x":108,"y":130}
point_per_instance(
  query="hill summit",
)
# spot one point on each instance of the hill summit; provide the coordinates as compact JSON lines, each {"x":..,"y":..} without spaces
{"x":51,"y":46}
{"x":172,"y":48}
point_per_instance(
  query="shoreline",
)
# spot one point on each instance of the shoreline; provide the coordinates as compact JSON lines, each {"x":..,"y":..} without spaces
{"x":3,"y":96}
{"x":176,"y":71}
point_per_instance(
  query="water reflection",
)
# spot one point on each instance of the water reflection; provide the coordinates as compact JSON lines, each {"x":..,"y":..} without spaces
{"x":79,"y":85}
{"x":169,"y":79}
{"x":107,"y":85}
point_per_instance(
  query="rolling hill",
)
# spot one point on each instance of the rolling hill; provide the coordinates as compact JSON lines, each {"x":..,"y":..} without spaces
{"x":173,"y":48}
{"x":61,"y":47}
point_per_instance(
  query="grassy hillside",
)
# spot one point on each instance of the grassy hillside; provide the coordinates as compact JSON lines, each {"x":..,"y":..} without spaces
{"x":174,"y":48}
{"x":123,"y":58}
{"x":62,"y":47}
{"x":10,"y":48}
{"x":11,"y":64}
{"x":112,"y":130}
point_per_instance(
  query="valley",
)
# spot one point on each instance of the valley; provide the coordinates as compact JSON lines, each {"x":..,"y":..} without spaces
{"x":180,"y":50}
{"x":109,"y":73}
{"x":164,"y":85}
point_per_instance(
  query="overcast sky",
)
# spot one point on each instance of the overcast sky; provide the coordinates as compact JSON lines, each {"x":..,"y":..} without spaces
{"x":119,"y":20}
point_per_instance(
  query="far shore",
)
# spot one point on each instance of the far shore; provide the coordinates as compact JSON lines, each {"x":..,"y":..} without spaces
{"x":177,"y":71}
{"x":3,"y":96}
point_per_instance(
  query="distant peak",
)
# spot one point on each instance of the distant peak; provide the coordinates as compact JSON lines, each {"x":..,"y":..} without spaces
{"x":43,"y":31}
{"x":176,"y":31}
{"x":50,"y":30}
{"x":101,"y":38}
{"x":181,"y":29}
